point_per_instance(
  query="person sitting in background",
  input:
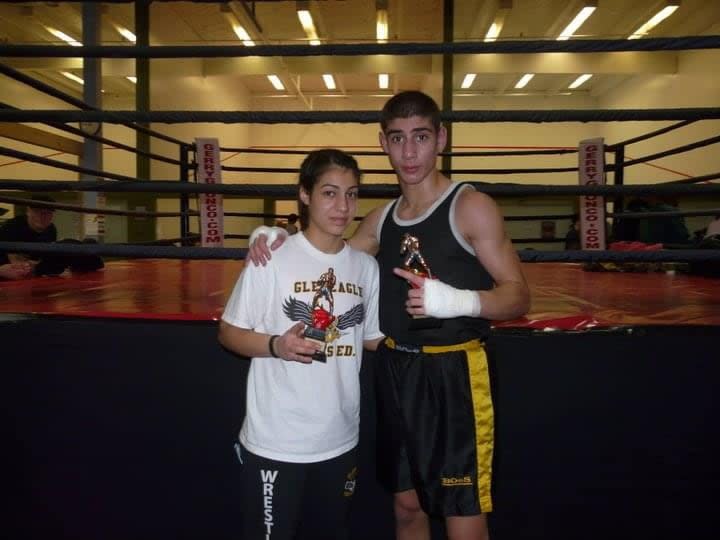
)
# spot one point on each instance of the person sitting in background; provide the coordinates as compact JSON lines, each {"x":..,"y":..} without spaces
{"x":37,"y":226}
{"x":652,"y":230}
{"x":572,"y":238}
{"x":34,"y":226}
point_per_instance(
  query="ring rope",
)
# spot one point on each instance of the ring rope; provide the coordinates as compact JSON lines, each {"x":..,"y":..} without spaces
{"x":172,"y":252}
{"x":4,"y":151}
{"x":98,"y":138}
{"x":357,"y":117}
{"x":364,"y":49}
{"x":53,"y":92}
{"x":649,"y":135}
{"x":544,"y":152}
{"x":138,"y":213}
{"x":391,"y":171}
{"x":373,"y":191}
{"x":679,"y":150}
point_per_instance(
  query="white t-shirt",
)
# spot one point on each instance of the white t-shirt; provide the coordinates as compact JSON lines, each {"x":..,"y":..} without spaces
{"x":297,"y":412}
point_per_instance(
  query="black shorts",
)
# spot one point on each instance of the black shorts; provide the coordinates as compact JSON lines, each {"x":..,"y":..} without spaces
{"x":436,"y":425}
{"x":289,"y":501}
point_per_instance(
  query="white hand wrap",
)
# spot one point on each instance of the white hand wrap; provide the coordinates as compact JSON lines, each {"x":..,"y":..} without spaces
{"x":272,"y":234}
{"x":444,"y":301}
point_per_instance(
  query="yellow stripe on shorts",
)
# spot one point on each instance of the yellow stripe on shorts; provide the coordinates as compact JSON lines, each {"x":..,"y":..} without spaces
{"x":479,"y":376}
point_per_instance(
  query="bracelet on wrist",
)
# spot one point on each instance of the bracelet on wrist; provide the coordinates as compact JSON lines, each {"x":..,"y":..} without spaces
{"x":271,"y":346}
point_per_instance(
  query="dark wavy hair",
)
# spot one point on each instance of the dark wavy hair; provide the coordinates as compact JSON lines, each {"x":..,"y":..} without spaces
{"x":315,"y":164}
{"x":407,"y":104}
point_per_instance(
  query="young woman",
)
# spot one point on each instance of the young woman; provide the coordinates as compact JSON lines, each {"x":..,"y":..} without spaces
{"x":304,"y":324}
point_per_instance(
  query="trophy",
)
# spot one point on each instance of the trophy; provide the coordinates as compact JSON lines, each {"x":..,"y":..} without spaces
{"x":322,"y":314}
{"x":415,"y":262}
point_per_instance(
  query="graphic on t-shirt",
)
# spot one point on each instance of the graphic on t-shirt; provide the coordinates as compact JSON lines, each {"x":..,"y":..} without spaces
{"x":322,"y":325}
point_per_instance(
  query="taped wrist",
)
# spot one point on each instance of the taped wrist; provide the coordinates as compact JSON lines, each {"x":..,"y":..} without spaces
{"x":272,"y":234}
{"x":444,"y":301}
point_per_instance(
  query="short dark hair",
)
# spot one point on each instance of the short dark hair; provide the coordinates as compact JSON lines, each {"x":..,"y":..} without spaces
{"x":315,"y":164}
{"x":407,"y":104}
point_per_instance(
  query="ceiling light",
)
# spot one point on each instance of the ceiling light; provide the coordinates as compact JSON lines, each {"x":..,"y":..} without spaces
{"x":127,"y":34}
{"x":381,"y":25}
{"x":62,"y":35}
{"x":132,"y":79}
{"x":524,"y":80}
{"x":72,"y":77}
{"x":238,"y":28}
{"x":384,"y":81}
{"x":329,"y":81}
{"x":276,"y":82}
{"x":306,"y":21}
{"x":503,"y":8}
{"x":242,"y":35}
{"x":580,"y":81}
{"x":656,"y":19}
{"x":493,"y":32}
{"x":576,"y":23}
{"x":468,"y":80}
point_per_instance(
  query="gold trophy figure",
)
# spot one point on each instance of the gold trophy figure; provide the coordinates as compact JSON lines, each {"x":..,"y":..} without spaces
{"x":415,"y":262}
{"x":322,"y":316}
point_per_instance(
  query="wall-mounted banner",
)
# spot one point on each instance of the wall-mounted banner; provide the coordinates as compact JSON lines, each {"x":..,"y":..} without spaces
{"x":591,"y":170}
{"x":210,"y":205}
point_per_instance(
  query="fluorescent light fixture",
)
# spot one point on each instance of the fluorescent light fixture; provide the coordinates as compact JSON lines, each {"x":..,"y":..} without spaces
{"x":72,"y":77}
{"x":329,"y":81}
{"x":493,"y":32}
{"x":656,"y":19}
{"x":468,"y":80}
{"x":242,"y":35}
{"x":381,"y":25}
{"x":238,"y":28}
{"x":132,"y":79}
{"x":524,"y":80}
{"x":308,"y":25}
{"x":276,"y":82}
{"x":127,"y":34}
{"x":503,"y":8}
{"x":63,"y":36}
{"x":576,"y":23}
{"x":384,"y":81}
{"x":580,"y":81}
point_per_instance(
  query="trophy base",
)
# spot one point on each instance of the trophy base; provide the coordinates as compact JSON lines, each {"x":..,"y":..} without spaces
{"x":317,"y":336}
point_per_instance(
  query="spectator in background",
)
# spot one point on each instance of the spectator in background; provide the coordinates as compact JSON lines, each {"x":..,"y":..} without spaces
{"x":652,"y":230}
{"x":572,"y":238}
{"x":34,"y":226}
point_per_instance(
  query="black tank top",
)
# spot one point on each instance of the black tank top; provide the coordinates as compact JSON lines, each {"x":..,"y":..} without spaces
{"x":449,"y":261}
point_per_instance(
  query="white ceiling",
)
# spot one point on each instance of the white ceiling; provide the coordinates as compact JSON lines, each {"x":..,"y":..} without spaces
{"x":353,"y":21}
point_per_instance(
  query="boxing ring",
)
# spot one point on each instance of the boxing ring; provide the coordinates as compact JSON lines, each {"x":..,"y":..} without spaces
{"x":122,"y":407}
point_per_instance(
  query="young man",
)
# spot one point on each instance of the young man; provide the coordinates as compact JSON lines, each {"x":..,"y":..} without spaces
{"x":435,"y":438}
